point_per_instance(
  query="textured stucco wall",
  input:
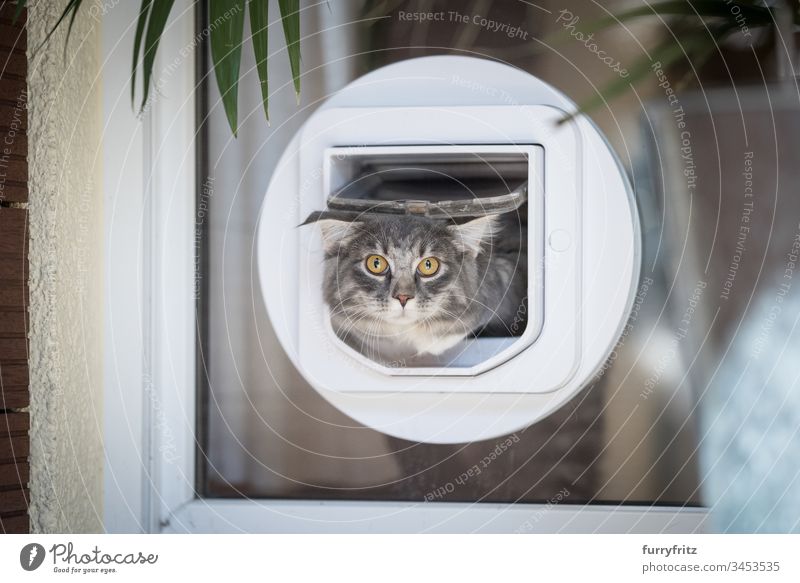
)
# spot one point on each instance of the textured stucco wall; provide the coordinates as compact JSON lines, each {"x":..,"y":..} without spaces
{"x":66,"y":272}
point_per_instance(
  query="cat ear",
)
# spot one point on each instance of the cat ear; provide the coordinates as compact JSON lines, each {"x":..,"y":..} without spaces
{"x":471,"y":236}
{"x":336,"y":227}
{"x":336,"y":232}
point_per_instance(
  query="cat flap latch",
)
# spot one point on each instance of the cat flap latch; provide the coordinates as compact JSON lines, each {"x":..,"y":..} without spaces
{"x":436,"y":209}
{"x":417,"y":207}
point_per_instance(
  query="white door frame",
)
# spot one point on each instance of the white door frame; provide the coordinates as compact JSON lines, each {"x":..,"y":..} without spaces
{"x":150,"y":186}
{"x":149,"y":180}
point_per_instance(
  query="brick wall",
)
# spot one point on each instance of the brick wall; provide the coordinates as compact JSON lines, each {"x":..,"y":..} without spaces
{"x":14,"y":395}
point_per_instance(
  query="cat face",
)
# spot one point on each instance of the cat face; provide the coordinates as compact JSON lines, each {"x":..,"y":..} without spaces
{"x":386,"y":275}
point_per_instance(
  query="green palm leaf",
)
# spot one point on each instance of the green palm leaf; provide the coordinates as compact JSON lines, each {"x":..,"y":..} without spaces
{"x":667,"y":53}
{"x":144,"y":12}
{"x":156,"y":23}
{"x":75,"y":6}
{"x":712,"y":8}
{"x":259,"y":24}
{"x":226,"y":52}
{"x":290,"y":16}
{"x":225,"y":41}
{"x":756,"y":15}
{"x":18,"y":11}
{"x":71,"y":9}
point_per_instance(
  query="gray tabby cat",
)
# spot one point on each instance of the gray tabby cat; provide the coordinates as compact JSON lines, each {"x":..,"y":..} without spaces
{"x":402,"y":286}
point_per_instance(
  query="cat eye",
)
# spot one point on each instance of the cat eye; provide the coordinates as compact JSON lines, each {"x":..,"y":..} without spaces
{"x":377,"y":264}
{"x":428,"y":266}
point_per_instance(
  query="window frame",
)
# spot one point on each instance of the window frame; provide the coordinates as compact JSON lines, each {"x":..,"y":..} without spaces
{"x":150,"y":357}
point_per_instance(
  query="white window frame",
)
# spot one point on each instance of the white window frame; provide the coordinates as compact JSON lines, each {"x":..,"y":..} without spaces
{"x":150,"y":187}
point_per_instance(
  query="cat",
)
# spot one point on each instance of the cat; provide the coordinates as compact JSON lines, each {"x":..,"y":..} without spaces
{"x":400,"y":286}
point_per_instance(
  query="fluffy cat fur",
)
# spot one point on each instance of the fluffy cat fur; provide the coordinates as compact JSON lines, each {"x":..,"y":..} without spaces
{"x":479,"y":287}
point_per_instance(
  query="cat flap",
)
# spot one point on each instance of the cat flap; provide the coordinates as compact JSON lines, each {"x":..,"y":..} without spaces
{"x":435,"y":209}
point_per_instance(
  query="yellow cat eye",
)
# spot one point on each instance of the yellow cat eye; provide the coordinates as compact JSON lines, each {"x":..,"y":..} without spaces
{"x":428,"y":266}
{"x":377,"y":264}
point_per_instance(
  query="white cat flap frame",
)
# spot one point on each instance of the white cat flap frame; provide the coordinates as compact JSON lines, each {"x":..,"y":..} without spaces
{"x":583,"y":237}
{"x":552,"y":153}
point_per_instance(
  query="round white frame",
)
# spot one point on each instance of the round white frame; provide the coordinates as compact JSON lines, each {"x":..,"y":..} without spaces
{"x":588,"y":205}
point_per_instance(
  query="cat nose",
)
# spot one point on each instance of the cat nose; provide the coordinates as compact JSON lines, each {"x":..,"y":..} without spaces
{"x":403,"y":299}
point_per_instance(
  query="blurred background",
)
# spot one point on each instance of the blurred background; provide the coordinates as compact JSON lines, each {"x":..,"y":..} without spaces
{"x":698,"y":403}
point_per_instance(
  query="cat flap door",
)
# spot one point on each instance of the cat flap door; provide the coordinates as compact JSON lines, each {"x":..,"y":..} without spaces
{"x":470,"y":178}
{"x":469,"y":205}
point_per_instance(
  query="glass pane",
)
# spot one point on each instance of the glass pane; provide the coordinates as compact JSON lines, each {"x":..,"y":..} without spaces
{"x":266,"y":433}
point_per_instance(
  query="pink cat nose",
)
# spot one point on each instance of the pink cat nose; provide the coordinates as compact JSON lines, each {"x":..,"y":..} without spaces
{"x":403,"y":299}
